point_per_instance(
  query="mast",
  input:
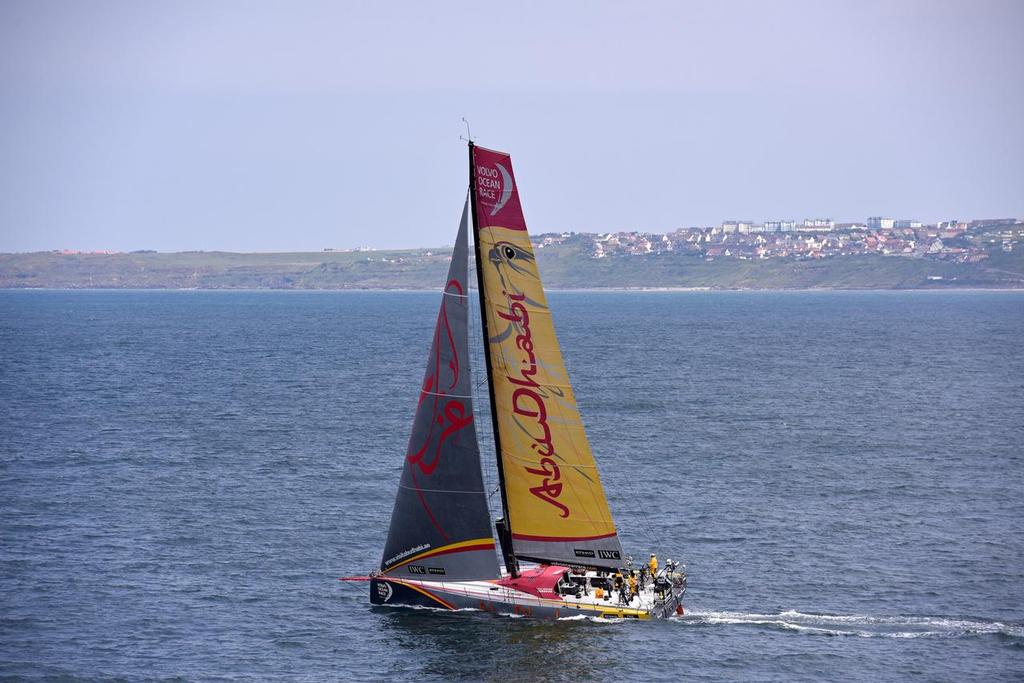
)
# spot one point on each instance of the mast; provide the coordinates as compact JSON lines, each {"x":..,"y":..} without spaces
{"x":501,"y":525}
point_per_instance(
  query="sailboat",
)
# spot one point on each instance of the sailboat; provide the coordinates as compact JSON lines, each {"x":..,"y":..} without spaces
{"x":560,"y":550}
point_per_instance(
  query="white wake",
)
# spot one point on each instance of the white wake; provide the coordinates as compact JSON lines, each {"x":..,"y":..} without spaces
{"x":863,"y":625}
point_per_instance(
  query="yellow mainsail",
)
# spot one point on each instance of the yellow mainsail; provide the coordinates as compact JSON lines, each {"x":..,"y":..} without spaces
{"x":557,"y":510}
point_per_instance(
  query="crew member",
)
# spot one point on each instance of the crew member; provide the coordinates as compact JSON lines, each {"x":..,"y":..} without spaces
{"x":599,"y":593}
{"x":620,"y":587}
{"x":653,"y":564}
{"x":633,"y":592}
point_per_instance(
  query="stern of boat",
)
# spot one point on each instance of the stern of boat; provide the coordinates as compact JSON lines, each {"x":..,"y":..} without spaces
{"x":672,"y":605}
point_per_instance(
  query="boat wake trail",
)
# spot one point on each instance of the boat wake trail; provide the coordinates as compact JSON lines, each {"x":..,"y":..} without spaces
{"x":864,"y":626}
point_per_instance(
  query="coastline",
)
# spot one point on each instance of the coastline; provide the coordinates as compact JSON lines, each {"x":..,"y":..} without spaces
{"x":563,"y":267}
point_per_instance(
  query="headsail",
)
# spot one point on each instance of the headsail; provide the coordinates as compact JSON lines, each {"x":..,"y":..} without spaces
{"x":555,"y":502}
{"x":441,"y":526}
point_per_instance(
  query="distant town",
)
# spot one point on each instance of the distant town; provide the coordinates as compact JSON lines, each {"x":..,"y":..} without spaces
{"x":956,"y":241}
{"x":814,"y":238}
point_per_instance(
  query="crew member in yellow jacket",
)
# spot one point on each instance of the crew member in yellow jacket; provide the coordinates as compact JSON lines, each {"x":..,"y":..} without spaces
{"x":653,"y":564}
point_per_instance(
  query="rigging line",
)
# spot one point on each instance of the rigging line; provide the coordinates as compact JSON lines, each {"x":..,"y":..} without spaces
{"x":645,"y":521}
{"x":434,"y":393}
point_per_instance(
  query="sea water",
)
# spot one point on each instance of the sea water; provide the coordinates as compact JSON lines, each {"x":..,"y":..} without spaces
{"x":185,"y":475}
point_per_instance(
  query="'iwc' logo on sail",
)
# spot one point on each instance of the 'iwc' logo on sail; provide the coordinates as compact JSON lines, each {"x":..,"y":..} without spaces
{"x":383,"y":591}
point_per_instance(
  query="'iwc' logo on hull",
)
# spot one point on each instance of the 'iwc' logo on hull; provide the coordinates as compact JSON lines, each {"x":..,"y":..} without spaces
{"x":383,"y":591}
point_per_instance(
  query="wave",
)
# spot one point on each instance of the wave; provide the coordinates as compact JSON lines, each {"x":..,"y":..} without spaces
{"x":862,"y":625}
{"x":427,"y":608}
{"x":598,"y":620}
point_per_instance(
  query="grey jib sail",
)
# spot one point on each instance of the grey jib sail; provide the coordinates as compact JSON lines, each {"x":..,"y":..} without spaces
{"x":441,"y":526}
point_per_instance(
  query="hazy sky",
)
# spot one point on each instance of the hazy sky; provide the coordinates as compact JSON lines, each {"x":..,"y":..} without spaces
{"x":266,"y":126}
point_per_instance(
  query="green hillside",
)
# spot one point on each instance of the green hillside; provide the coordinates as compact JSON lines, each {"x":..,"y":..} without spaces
{"x":562,"y":266}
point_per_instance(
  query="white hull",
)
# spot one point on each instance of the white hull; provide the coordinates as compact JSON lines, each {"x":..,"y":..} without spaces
{"x":493,"y":596}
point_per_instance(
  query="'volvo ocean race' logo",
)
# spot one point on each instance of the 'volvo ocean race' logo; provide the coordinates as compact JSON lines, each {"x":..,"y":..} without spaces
{"x":383,"y":591}
{"x":494,"y":186}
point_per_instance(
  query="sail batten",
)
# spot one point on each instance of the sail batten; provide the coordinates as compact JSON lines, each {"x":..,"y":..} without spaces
{"x":556,"y":507}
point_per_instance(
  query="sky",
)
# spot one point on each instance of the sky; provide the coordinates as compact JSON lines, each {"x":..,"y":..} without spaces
{"x":263,"y":125}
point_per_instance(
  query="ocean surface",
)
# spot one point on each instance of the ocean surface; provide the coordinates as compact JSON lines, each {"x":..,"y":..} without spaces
{"x":185,"y":475}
